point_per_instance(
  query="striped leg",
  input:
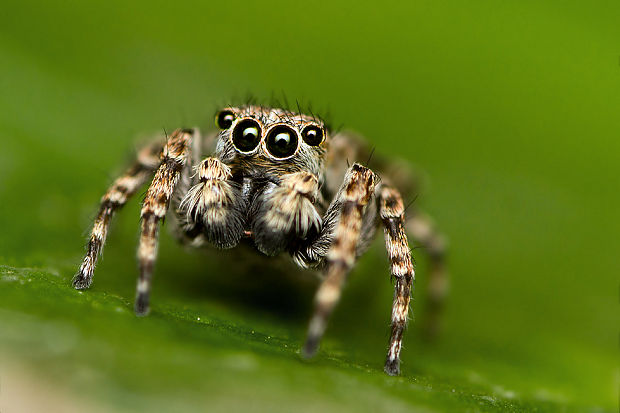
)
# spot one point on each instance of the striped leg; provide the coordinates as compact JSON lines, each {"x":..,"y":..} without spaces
{"x":354,"y":195}
{"x":421,"y":229}
{"x":173,"y":159}
{"x":116,"y":196}
{"x":391,"y":210}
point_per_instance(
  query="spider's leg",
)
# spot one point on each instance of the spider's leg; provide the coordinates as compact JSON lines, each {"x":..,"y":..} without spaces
{"x":391,"y":211}
{"x":352,"y":199}
{"x":116,"y":196}
{"x":421,"y":229}
{"x":173,"y":160}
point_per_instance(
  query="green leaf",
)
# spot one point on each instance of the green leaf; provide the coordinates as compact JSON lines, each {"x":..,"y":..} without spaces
{"x":510,"y":108}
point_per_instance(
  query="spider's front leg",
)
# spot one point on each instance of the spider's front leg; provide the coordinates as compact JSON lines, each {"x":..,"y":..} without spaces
{"x":174,"y":157}
{"x":116,"y":196}
{"x":350,"y":202}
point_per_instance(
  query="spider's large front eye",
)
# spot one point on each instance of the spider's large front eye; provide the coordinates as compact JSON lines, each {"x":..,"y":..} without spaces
{"x":246,"y":135}
{"x":313,"y":135}
{"x":225,"y":119}
{"x":282,"y":141}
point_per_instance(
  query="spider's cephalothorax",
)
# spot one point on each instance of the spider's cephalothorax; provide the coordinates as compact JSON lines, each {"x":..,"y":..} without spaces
{"x":279,"y":180}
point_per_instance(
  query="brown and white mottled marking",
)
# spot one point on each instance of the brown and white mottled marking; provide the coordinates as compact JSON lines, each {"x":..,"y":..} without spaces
{"x":392,"y":213}
{"x":173,"y":159}
{"x":215,"y":203}
{"x":356,"y":192}
{"x":115,"y":197}
{"x":291,"y":204}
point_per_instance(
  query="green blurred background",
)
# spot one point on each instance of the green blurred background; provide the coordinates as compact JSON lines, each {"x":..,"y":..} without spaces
{"x":511,"y":109}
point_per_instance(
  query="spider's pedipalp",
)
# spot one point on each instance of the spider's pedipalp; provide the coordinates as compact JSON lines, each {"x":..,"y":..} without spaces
{"x":354,"y":196}
{"x":116,"y":196}
{"x":391,"y":211}
{"x":285,"y":212}
{"x":173,"y":160}
{"x":216,"y":203}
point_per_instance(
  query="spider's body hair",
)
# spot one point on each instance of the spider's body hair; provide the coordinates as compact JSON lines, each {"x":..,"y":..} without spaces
{"x":392,"y":211}
{"x":300,"y":197}
{"x":115,"y":197}
{"x":271,"y":199}
{"x":356,"y":192}
{"x":260,"y":166}
{"x":154,"y":207}
{"x":216,"y":203}
{"x":286,"y":212}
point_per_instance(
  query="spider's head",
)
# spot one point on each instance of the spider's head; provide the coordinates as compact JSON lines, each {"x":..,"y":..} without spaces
{"x":260,"y":138}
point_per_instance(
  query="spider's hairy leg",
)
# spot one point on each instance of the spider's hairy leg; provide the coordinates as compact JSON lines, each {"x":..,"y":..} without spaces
{"x":421,"y":229}
{"x":392,"y":211}
{"x":286,"y":211}
{"x":173,"y":159}
{"x":355,"y":193}
{"x":116,"y":196}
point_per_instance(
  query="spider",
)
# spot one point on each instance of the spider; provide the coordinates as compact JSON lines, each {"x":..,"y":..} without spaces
{"x":278,"y":181}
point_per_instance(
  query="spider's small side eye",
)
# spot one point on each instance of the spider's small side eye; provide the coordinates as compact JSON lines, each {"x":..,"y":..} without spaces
{"x":282,"y":141}
{"x":246,"y":135}
{"x":313,"y":135}
{"x":225,"y":119}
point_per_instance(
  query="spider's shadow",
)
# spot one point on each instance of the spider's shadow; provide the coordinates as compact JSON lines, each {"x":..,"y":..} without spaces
{"x":242,"y":278}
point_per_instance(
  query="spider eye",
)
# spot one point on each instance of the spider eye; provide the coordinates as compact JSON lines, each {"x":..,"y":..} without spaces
{"x":313,"y":135}
{"x":246,"y":135}
{"x":225,"y":119}
{"x":282,"y":141}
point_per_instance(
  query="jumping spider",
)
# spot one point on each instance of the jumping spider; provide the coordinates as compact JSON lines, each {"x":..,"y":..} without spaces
{"x":278,"y":180}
